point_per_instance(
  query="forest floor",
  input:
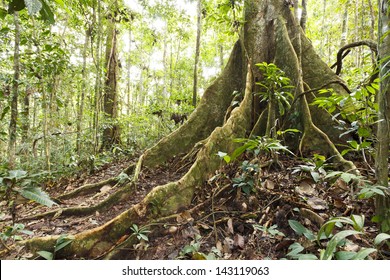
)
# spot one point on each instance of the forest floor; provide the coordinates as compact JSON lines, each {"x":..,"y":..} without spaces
{"x":223,"y":221}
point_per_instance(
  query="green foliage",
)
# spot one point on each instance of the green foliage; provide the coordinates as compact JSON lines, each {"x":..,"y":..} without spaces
{"x":315,"y":166}
{"x":193,"y":251}
{"x":301,"y":230}
{"x":246,"y":180}
{"x":269,"y":231}
{"x":33,"y":7}
{"x":140,"y":232}
{"x":62,"y":241}
{"x":275,"y":85}
{"x":336,"y":241}
{"x":356,"y":114}
{"x":13,"y":232}
{"x":258,"y":145}
{"x":18,"y":181}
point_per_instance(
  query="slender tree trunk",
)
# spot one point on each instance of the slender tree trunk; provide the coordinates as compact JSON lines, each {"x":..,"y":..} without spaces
{"x":344,"y":27}
{"x":304,"y":15}
{"x":97,"y":14}
{"x":80,"y":113}
{"x":383,"y":133}
{"x":128,"y":85}
{"x":197,"y":52}
{"x":14,"y":98}
{"x":111,"y":133}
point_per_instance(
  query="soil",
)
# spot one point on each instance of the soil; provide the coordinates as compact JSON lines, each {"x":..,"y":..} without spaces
{"x":239,"y":213}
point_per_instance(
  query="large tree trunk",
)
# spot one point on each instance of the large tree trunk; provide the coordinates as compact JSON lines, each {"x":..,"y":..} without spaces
{"x":383,"y":133}
{"x":270,"y":34}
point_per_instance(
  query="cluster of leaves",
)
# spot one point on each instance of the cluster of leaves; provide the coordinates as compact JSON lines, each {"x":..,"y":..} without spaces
{"x":333,"y":243}
{"x":356,"y":114}
{"x":193,"y":251}
{"x":61,"y":243}
{"x":256,"y":146}
{"x":18,"y":181}
{"x":14,"y":232}
{"x":275,"y":84}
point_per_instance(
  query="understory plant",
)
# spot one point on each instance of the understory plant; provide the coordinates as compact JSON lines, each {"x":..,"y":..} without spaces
{"x":337,"y":239}
{"x":18,"y":182}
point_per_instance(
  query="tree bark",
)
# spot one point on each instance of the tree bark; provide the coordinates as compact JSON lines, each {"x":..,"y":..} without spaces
{"x":197,"y":52}
{"x":383,"y":133}
{"x":15,"y":94}
{"x":111,"y":133}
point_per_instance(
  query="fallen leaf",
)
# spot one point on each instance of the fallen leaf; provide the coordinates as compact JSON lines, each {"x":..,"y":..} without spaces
{"x":239,"y":241}
{"x":230,"y":226}
{"x":317,"y":203}
{"x":306,"y":189}
{"x":105,"y":189}
{"x":184,"y":218}
{"x":228,"y":245}
{"x":268,"y":184}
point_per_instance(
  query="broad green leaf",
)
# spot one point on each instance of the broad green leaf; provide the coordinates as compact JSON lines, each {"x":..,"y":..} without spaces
{"x":46,"y":13}
{"x":38,"y":195}
{"x":15,"y":6}
{"x":380,"y":238}
{"x":331,"y":248}
{"x":33,"y":6}
{"x":46,"y":255}
{"x":363,"y":253}
{"x":344,"y":255}
{"x":63,"y":241}
{"x":3,"y":13}
{"x":307,"y":257}
{"x":301,"y":230}
{"x":358,"y":222}
{"x":16,"y":174}
{"x":295,"y":248}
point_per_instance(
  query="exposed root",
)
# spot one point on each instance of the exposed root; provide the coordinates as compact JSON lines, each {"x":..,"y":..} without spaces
{"x":88,"y":188}
{"x":119,"y":195}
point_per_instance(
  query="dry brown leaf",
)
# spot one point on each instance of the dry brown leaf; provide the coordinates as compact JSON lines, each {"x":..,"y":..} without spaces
{"x":306,"y":188}
{"x":184,"y":218}
{"x":239,"y":241}
{"x":317,"y":203}
{"x":105,"y":189}
{"x":230,"y":226}
{"x":219,"y":246}
{"x":228,"y":245}
{"x":268,"y":184}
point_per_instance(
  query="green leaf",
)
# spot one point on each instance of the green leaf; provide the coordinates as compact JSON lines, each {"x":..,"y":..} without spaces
{"x":38,"y":195}
{"x":3,"y":13}
{"x":363,"y":254}
{"x":307,"y":257}
{"x":46,"y":13}
{"x":380,"y":238}
{"x":295,"y":248}
{"x":345,"y":255}
{"x":33,"y":6}
{"x":46,"y":255}
{"x":301,"y":230}
{"x":15,"y":6}
{"x":16,"y":174}
{"x":358,"y":222}
{"x":63,"y":241}
{"x":331,"y":248}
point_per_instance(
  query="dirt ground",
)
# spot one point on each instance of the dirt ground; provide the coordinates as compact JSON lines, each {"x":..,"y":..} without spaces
{"x":225,"y":221}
